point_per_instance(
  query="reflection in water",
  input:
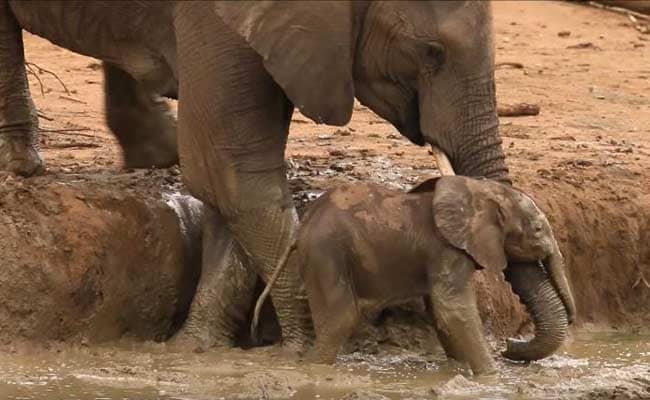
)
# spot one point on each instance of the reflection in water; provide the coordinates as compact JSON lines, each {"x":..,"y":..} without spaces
{"x":591,"y":363}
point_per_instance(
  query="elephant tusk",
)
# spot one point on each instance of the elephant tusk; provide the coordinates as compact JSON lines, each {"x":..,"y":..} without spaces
{"x":444,"y":165}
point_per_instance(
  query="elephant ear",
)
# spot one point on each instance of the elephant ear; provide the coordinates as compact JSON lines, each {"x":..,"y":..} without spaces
{"x":468,"y":217}
{"x":306,"y":47}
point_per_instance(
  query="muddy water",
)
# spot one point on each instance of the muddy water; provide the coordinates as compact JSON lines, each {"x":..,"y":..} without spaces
{"x":592,"y":365}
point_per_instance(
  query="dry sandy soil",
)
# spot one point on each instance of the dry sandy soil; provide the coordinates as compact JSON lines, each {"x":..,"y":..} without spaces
{"x":585,"y":158}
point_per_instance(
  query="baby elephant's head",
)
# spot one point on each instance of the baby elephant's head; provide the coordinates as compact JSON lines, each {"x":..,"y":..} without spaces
{"x":492,"y":222}
{"x":527,"y":233}
{"x":502,"y":230}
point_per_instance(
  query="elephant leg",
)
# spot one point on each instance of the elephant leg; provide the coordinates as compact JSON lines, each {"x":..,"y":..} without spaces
{"x":225,"y":290}
{"x":456,"y":318}
{"x":141,"y":121}
{"x":233,"y":126}
{"x":334,"y":308}
{"x":18,"y":119}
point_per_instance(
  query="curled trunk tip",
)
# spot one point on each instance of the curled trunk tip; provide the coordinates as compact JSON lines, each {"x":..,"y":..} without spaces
{"x":535,"y":290}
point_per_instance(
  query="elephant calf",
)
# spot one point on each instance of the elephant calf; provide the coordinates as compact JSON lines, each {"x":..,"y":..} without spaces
{"x":361,"y":248}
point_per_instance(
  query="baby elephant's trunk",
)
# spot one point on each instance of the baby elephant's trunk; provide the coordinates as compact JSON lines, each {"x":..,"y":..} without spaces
{"x":535,"y":290}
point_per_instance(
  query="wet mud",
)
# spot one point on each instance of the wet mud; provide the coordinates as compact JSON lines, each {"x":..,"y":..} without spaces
{"x":602,"y":365}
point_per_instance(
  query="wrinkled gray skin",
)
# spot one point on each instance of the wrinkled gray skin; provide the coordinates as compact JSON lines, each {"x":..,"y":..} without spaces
{"x":361,"y":248}
{"x":239,"y":68}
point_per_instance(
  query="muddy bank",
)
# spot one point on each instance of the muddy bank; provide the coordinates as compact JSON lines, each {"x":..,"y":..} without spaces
{"x":94,"y":257}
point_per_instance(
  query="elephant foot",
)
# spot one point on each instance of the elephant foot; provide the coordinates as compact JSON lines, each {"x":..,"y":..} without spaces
{"x":18,"y":156}
{"x":294,"y":349}
{"x":195,"y":342}
{"x":162,"y":155}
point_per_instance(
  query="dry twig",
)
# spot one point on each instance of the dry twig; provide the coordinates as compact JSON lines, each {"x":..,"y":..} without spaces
{"x":39,"y":70}
{"x":641,"y":279}
{"x":517,"y":110}
{"x":70,"y":131}
{"x":72,"y":99}
{"x":42,"y":115}
{"x":31,"y":71}
{"x":81,"y":145}
{"x":65,"y":130}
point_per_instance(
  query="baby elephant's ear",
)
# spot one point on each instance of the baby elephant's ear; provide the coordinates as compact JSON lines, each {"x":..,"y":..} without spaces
{"x":467,"y":217}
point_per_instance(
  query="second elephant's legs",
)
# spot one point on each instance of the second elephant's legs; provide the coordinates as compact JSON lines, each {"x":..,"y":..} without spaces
{"x":18,"y":120}
{"x":456,"y":317}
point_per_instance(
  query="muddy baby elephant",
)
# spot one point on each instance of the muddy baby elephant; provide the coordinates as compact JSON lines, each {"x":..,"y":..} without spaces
{"x":361,"y":248}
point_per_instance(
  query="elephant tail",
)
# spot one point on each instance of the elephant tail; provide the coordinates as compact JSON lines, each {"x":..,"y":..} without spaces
{"x":269,"y":285}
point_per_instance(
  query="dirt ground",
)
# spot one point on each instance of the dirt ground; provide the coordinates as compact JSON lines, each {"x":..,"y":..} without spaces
{"x":585,"y":158}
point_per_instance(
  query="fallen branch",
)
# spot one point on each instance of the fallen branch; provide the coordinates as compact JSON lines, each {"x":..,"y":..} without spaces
{"x":643,"y":28}
{"x":512,"y":64}
{"x":30,"y":68}
{"x":517,"y":110}
{"x":81,"y":145}
{"x":619,"y":10}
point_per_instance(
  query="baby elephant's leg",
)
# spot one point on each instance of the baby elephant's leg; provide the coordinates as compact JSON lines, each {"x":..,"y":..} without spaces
{"x":456,"y":317}
{"x":333,"y":306}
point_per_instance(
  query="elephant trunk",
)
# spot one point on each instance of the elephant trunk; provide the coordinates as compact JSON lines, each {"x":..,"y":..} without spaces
{"x":474,"y":145}
{"x":538,"y":293}
{"x":555,"y":267}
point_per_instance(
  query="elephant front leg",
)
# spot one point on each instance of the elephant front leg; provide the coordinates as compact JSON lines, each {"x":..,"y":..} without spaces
{"x":18,"y":119}
{"x":224,"y":293}
{"x":233,"y":126}
{"x":456,"y":318}
{"x":141,"y":121}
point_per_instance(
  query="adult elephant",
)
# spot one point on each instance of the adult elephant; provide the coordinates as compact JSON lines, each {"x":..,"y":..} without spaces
{"x":239,"y":69}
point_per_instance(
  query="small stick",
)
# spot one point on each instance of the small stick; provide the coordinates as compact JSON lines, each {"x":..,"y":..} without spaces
{"x":70,"y":145}
{"x":444,"y":165}
{"x":41,"y":70}
{"x":65,"y":130}
{"x":72,"y":99}
{"x":38,"y":78}
{"x":517,"y":110}
{"x":641,"y":279}
{"x":78,"y":134}
{"x":40,"y":114}
{"x":70,"y":131}
{"x":516,"y":65}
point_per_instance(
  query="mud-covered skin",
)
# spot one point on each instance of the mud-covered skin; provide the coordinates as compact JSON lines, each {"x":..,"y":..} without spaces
{"x":362,"y":248}
{"x":239,"y":68}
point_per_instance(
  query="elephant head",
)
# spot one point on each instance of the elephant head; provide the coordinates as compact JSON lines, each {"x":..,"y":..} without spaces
{"x":425,"y":66}
{"x":504,"y":231}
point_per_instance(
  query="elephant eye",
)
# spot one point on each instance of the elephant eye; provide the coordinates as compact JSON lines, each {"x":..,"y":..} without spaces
{"x":436,"y":54}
